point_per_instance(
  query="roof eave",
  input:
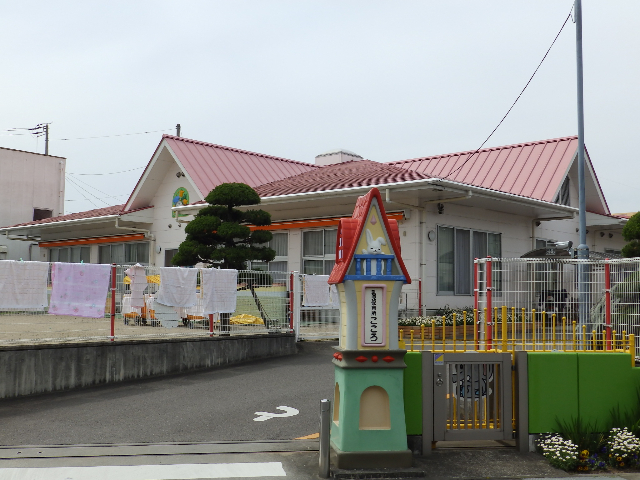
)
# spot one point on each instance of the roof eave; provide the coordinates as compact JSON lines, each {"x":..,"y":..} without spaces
{"x":413,"y":184}
{"x":75,"y":221}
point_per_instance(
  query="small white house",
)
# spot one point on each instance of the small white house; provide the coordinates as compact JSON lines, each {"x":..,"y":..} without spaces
{"x":33,"y":188}
{"x":502,"y":201}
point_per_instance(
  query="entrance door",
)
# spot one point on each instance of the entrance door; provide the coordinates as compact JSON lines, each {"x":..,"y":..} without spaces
{"x":471,"y":396}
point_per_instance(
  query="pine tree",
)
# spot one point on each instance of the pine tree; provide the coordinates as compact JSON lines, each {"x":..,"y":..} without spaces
{"x":220,"y":237}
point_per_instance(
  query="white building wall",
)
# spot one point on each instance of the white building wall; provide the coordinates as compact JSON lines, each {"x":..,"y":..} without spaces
{"x":515,"y":234}
{"x":28,"y":180}
{"x":168,"y":231}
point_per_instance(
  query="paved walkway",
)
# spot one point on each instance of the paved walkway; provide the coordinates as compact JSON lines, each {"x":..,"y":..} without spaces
{"x":292,"y":459}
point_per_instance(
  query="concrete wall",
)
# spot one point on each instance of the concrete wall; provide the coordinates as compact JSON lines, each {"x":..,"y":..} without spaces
{"x":50,"y":368}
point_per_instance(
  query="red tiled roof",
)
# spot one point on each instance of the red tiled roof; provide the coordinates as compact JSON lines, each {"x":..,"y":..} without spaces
{"x":210,"y":165}
{"x":533,"y":169}
{"x":97,"y":212}
{"x":624,"y":215}
{"x":340,"y":175}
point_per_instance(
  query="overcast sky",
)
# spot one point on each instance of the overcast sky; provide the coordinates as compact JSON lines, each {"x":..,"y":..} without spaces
{"x":389,"y":80}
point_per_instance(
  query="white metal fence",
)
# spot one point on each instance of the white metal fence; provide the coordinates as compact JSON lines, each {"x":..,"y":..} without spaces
{"x":546,"y":294}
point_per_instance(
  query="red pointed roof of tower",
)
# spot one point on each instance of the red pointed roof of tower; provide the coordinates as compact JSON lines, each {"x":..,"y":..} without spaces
{"x":350,"y":230}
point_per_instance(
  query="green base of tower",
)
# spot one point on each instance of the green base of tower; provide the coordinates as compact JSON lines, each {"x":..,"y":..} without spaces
{"x":351,"y":460}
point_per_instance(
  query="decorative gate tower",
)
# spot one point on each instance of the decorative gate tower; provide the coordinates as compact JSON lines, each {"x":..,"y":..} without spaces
{"x":368,"y":428}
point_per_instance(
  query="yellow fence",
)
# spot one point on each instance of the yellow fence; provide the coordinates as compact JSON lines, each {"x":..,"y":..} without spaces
{"x":514,"y":330}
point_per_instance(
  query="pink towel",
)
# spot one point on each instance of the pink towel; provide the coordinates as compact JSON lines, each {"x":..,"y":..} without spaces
{"x":79,"y":289}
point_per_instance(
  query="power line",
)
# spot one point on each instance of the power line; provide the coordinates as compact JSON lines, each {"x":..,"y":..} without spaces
{"x":116,"y":135}
{"x":107,"y":173}
{"x":516,"y":100}
{"x":85,"y":197}
{"x":85,"y":190}
{"x":77,"y":138}
{"x":97,"y":190}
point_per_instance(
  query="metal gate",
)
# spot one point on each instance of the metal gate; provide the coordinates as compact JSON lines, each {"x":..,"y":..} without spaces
{"x":466,"y":396}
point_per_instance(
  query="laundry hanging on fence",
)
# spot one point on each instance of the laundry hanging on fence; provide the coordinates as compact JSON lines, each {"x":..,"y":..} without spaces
{"x":316,"y":290}
{"x":177,"y":287}
{"x":334,"y":302}
{"x":23,"y":285}
{"x":79,"y":289}
{"x":219,"y":289}
{"x":138,"y":283}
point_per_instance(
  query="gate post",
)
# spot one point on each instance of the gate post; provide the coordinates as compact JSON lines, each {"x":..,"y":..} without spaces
{"x":522,"y":402}
{"x":607,"y":296}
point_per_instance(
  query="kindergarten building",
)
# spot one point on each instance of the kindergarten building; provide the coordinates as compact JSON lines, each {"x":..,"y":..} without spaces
{"x":452,"y":208}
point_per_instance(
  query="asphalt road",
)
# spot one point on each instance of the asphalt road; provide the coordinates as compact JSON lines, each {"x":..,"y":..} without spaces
{"x":217,"y":405}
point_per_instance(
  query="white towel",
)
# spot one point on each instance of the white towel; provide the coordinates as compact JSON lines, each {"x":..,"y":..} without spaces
{"x":335,"y":297}
{"x":138,"y":278}
{"x":177,"y":287}
{"x":220,"y":290}
{"x":316,"y":290}
{"x":23,"y":285}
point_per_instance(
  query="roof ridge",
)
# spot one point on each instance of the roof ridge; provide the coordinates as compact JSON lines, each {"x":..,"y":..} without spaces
{"x":238,"y":150}
{"x":488,"y":149}
{"x":322,"y":169}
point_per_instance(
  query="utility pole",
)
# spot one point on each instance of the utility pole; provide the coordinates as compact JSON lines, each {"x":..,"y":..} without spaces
{"x":46,"y":139}
{"x":583,"y":248}
{"x":177,"y":130}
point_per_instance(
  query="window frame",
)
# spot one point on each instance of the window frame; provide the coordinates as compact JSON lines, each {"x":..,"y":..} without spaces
{"x":472,"y":231}
{"x":124,"y":252}
{"x":326,"y":257}
{"x":277,"y":258}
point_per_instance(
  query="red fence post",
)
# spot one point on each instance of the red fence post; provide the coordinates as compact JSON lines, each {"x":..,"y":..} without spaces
{"x":476,"y":291}
{"x":420,"y":296}
{"x":211,"y":324}
{"x":113,"y":301}
{"x":489,"y":333}
{"x":607,"y":296}
{"x":291,"y":301}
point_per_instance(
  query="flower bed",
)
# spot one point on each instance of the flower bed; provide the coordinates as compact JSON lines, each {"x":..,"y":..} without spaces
{"x":618,"y":449}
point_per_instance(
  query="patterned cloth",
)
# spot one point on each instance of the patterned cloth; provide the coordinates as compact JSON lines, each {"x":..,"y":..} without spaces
{"x":220,"y":290}
{"x":79,"y":289}
{"x":23,"y":285}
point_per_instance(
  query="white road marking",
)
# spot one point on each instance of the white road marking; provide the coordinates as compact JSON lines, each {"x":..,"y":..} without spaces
{"x":288,"y":412}
{"x":147,"y":472}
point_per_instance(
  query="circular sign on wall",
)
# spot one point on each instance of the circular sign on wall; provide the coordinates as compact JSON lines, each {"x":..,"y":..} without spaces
{"x":180,"y":198}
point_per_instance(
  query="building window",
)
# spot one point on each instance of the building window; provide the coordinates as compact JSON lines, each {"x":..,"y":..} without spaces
{"x":75,"y":254}
{"x":169,"y":253}
{"x":318,"y":251}
{"x":279,"y":243}
{"x":42,"y":213}
{"x":564,"y":197}
{"x":457,"y":247}
{"x":124,"y":253}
